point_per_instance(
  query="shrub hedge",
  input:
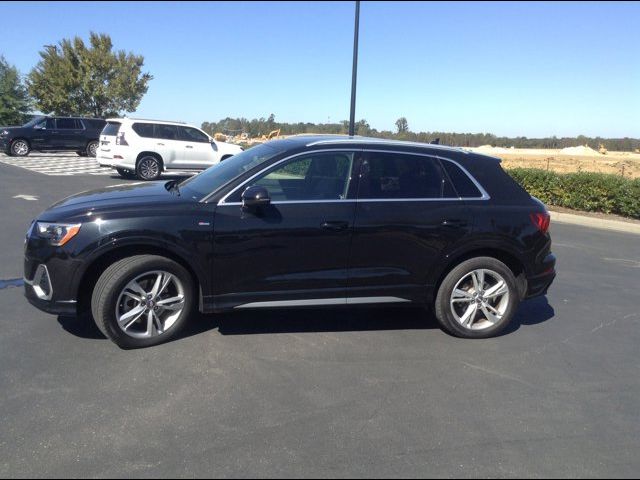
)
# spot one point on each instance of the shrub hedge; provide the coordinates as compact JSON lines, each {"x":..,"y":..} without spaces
{"x":587,"y":191}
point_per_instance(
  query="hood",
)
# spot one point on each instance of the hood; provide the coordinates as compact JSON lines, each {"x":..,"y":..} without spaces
{"x":116,"y":197}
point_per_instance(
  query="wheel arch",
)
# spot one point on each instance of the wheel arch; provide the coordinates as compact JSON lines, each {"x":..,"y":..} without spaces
{"x":505,"y":255}
{"x":99,"y":264}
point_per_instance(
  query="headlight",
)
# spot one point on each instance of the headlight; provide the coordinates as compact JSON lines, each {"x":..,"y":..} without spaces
{"x":4,"y":132}
{"x":58,"y":233}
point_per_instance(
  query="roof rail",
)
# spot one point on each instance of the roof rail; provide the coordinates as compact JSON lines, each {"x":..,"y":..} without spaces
{"x":383,"y":141}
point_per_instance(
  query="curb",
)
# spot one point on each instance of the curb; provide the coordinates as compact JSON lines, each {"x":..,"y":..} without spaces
{"x":599,"y":223}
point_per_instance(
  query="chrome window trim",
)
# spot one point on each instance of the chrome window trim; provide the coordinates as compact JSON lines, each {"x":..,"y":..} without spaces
{"x":484,"y":195}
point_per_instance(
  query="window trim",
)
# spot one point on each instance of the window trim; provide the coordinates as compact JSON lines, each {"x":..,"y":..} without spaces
{"x":485,"y":196}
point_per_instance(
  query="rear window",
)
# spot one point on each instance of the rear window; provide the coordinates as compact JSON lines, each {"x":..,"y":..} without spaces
{"x":143,"y":129}
{"x":166,"y":132}
{"x":111,"y":129}
{"x":397,"y":176}
{"x":461,"y":181}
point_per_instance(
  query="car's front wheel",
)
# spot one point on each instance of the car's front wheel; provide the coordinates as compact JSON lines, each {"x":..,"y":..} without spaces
{"x":477,"y":299}
{"x":20,"y":148}
{"x":142,"y":300}
{"x":148,"y":168}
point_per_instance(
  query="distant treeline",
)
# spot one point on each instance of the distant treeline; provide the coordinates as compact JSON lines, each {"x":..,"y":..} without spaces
{"x":257,"y":127}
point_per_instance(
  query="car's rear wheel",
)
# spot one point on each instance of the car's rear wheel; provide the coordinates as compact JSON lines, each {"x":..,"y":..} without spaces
{"x":20,"y":148}
{"x":124,"y":173}
{"x":148,"y":168}
{"x":92,"y":148}
{"x":142,"y":301}
{"x":477,"y":299}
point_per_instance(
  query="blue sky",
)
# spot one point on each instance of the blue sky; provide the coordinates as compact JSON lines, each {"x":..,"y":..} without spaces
{"x":530,"y":69}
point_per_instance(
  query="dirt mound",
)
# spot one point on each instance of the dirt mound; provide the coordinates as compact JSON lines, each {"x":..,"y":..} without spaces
{"x":582,"y":150}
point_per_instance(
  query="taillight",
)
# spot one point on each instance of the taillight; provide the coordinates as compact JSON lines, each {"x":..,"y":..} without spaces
{"x":541,"y":221}
{"x":120,"y":140}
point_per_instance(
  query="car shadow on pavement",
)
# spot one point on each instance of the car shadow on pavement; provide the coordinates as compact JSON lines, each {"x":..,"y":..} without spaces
{"x":530,"y":312}
{"x":255,"y":322}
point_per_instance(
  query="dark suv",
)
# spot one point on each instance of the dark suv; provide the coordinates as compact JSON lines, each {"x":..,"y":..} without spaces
{"x":306,"y":221}
{"x":53,"y":134}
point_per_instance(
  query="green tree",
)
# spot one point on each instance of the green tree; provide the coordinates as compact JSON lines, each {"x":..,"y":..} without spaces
{"x":402,"y":125}
{"x":14,"y":99}
{"x":73,"y":79}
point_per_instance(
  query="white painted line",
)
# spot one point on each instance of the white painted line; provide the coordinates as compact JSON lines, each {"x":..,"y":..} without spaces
{"x":31,"y":198}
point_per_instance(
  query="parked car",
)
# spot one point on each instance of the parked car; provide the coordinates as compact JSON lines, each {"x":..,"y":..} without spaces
{"x":52,"y":134}
{"x":309,"y":221}
{"x":146,"y":148}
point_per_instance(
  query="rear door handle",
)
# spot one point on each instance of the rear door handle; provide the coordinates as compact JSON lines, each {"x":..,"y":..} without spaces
{"x":161,"y":144}
{"x":189,"y":146}
{"x":454,"y":222}
{"x":335,"y":226}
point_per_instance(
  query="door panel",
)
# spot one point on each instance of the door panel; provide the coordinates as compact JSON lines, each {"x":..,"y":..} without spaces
{"x":297,"y":247}
{"x":286,"y":252}
{"x":407,"y":217}
{"x":396,"y":244}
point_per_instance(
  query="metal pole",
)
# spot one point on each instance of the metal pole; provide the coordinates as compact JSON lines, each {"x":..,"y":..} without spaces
{"x":354,"y":73}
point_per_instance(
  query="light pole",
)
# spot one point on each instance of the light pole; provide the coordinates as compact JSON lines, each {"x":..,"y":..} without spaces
{"x":354,"y":73}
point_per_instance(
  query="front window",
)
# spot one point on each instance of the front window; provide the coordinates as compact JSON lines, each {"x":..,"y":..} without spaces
{"x":317,"y":176}
{"x":190,"y":134}
{"x":215,"y":177}
{"x":34,"y":121}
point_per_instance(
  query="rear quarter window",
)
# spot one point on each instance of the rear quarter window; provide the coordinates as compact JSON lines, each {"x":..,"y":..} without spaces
{"x":93,"y":123}
{"x":461,"y":182}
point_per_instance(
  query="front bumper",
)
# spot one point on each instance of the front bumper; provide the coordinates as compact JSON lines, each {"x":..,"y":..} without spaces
{"x":50,"y":282}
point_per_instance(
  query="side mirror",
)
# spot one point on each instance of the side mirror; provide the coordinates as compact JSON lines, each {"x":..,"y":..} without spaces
{"x":255,"y":196}
{"x":213,"y":145}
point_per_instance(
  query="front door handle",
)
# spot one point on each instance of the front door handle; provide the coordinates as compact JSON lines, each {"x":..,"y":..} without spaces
{"x":161,"y":144}
{"x":335,"y":226}
{"x":189,"y":146}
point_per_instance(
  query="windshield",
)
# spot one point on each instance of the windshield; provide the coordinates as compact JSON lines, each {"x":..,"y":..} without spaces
{"x":33,"y":121}
{"x":201,"y":185}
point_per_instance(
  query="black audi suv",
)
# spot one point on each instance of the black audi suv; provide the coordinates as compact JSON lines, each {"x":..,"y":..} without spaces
{"x":308,"y":221}
{"x":53,"y":134}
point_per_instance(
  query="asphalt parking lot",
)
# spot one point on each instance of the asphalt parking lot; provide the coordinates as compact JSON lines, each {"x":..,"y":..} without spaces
{"x":377,"y":392}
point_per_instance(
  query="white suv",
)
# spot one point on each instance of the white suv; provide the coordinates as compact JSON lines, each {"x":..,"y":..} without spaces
{"x":146,"y":148}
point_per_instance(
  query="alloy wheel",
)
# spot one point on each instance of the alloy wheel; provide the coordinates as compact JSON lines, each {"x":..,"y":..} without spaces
{"x":480,"y":299}
{"x":149,"y":168}
{"x":20,"y":148}
{"x":150,"y":304}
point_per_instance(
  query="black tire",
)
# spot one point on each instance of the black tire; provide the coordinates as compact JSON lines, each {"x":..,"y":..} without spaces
{"x":20,"y":148}
{"x":148,"y":167}
{"x":442,"y":306}
{"x":124,"y":173}
{"x":92,"y":148}
{"x":226,"y":157}
{"x":114,"y":279}
{"x":82,"y":154}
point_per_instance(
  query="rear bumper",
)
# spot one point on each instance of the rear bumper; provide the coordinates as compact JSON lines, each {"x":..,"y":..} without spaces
{"x":539,"y":284}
